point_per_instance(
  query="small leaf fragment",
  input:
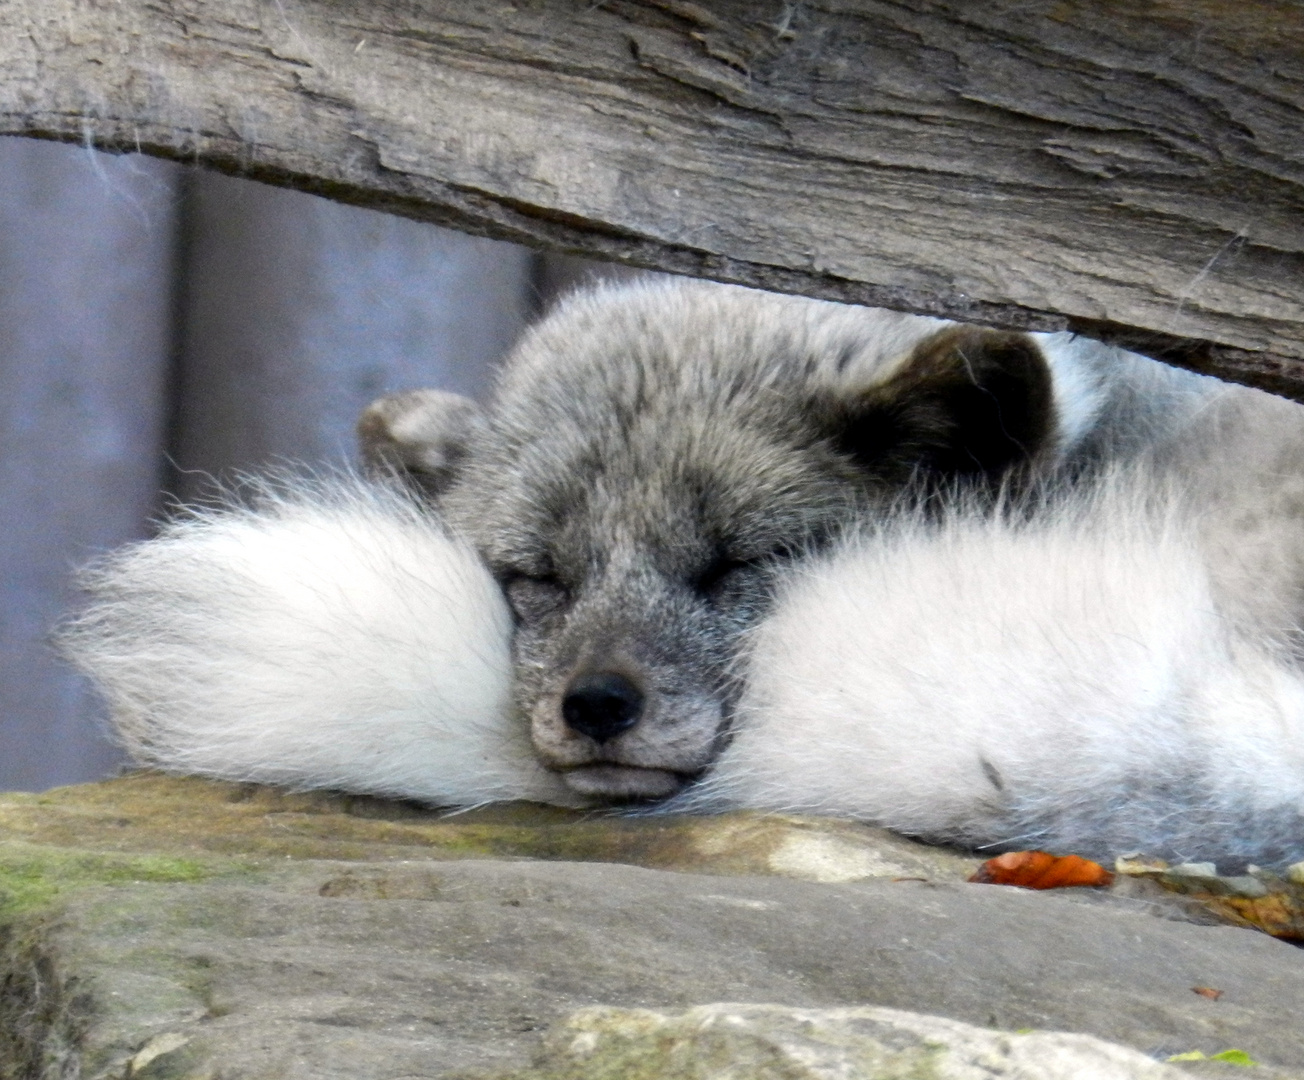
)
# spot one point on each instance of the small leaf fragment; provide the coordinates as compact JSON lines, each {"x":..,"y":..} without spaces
{"x":1231,"y":1057}
{"x":1208,"y":992}
{"x":1234,"y":1057}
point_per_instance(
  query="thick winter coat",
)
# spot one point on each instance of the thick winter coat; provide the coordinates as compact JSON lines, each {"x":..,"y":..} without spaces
{"x":761,"y":551}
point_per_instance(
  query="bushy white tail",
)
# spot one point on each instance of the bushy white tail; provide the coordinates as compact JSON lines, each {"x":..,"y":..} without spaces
{"x":1064,"y":681}
{"x":333,"y":635}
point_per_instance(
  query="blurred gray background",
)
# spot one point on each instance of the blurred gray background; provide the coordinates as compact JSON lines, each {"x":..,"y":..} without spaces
{"x":162,"y":326}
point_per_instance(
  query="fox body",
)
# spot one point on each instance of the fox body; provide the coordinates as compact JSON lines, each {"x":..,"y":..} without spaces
{"x":712,"y":547}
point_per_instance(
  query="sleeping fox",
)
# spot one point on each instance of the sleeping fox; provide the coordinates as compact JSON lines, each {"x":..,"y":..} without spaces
{"x":707,"y":547}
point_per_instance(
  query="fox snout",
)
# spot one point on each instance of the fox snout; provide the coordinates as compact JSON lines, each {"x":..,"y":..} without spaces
{"x":602,"y":705}
{"x":624,"y":730}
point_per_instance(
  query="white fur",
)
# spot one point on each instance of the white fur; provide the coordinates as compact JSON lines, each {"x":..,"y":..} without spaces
{"x":335,"y":636}
{"x":331,"y":636}
{"x":1081,"y":656}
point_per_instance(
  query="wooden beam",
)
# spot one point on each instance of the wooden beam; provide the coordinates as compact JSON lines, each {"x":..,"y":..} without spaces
{"x":1130,"y":171}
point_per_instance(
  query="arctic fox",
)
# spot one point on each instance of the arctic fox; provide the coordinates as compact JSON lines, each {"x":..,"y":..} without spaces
{"x":714,"y":547}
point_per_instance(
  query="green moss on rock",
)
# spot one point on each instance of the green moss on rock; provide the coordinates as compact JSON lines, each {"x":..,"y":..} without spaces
{"x":33,"y":877}
{"x":149,"y":813}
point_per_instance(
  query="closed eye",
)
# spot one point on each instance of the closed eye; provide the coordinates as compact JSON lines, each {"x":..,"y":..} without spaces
{"x":721,"y":572}
{"x":535,"y":598}
{"x":713,"y":578}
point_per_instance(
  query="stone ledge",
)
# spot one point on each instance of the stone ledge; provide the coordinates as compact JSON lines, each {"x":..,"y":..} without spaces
{"x":162,"y":927}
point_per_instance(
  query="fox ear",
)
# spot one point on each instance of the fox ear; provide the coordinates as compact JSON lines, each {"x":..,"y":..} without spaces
{"x":967,"y":402}
{"x":419,"y":434}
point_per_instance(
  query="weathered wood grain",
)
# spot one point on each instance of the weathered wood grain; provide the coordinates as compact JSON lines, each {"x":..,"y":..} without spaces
{"x":1130,"y":171}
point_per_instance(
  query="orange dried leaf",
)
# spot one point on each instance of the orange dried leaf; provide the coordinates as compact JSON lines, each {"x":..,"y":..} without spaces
{"x":1207,"y":991}
{"x":1041,"y":870}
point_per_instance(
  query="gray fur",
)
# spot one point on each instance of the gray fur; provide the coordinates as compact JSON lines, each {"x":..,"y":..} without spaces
{"x":654,"y":455}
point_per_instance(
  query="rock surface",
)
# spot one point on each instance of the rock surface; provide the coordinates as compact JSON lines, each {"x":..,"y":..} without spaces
{"x":150,"y":812}
{"x":819,"y":1044}
{"x":154,"y":927}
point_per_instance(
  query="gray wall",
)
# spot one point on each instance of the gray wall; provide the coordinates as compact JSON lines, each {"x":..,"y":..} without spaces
{"x":296,"y":312}
{"x":159,"y":326}
{"x":86,"y":253}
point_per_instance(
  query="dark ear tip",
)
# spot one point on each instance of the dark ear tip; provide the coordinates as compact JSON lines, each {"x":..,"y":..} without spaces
{"x":974,"y":350}
{"x":967,"y":402}
{"x":998,"y":387}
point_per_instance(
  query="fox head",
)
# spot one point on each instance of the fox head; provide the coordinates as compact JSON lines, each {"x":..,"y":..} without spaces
{"x":653,"y":456}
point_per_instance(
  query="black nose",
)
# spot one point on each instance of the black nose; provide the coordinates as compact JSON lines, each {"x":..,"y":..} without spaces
{"x":602,"y":705}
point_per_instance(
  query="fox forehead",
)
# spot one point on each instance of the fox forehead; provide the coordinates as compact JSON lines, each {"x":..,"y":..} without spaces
{"x":691,"y":422}
{"x":708,"y":342}
{"x":676,"y":491}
